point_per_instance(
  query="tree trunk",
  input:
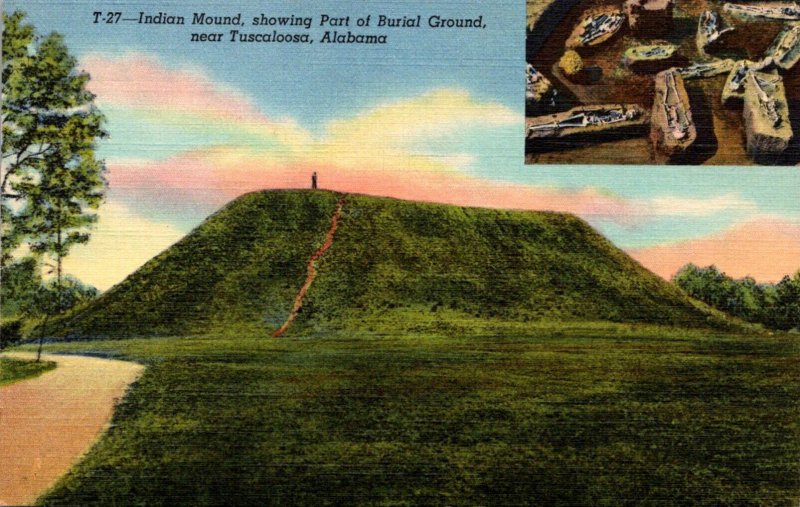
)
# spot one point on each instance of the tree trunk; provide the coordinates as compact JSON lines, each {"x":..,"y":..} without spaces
{"x":54,"y":309}
{"x":59,"y":257}
{"x":59,"y":269}
{"x":41,"y":338}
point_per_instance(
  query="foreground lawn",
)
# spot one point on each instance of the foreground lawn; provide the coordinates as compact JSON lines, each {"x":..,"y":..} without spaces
{"x":13,"y":370}
{"x":584,"y":415}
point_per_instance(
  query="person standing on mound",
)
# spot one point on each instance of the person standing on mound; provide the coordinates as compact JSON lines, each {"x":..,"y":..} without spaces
{"x":314,"y":180}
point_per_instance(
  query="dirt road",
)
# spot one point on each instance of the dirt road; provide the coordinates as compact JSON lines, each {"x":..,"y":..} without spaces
{"x":48,"y":422}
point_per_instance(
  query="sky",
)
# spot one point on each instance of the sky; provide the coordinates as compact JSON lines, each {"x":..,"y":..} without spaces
{"x":434,"y":114}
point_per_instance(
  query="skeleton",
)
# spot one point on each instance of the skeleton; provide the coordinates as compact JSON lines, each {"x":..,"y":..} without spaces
{"x":790,"y":40}
{"x":532,"y":74}
{"x":585,"y":119}
{"x":708,"y":22}
{"x":765,"y":102}
{"x":697,"y":70}
{"x":676,"y":114}
{"x":533,"y":78}
{"x":703,"y":70}
{"x":653,"y":52}
{"x":709,"y":26}
{"x":740,"y":74}
{"x":594,"y":28}
{"x":738,"y":77}
{"x":790,"y":12}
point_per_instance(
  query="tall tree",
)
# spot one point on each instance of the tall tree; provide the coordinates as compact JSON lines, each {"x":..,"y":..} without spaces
{"x":56,"y":216}
{"x":51,"y":178}
{"x":17,"y":38}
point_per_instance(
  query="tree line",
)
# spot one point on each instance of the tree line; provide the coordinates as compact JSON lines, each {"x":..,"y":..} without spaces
{"x":776,"y":306}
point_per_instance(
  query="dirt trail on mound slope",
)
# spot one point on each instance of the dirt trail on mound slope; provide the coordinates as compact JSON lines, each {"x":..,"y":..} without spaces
{"x":312,"y":269}
{"x":47,"y":423}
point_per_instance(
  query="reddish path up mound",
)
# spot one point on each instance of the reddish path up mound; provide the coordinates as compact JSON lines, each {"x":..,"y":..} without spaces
{"x":312,"y":269}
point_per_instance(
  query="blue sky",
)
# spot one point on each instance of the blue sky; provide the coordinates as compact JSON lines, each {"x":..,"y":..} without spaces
{"x":317,"y":82}
{"x":439,"y":107}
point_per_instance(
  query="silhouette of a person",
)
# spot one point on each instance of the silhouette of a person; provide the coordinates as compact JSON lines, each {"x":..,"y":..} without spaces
{"x":314,"y":180}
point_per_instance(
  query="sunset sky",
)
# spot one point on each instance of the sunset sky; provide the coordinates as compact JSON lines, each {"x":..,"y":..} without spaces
{"x":433,"y":115}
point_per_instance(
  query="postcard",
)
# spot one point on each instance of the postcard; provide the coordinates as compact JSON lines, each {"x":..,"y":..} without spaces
{"x":400,"y":253}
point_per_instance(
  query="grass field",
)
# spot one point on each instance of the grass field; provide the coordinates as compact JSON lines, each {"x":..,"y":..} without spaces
{"x":588,"y":414}
{"x":13,"y":370}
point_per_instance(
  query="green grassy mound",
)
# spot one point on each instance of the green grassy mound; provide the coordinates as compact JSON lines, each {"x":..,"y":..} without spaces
{"x":243,"y":265}
{"x":521,"y":266}
{"x":392,"y":261}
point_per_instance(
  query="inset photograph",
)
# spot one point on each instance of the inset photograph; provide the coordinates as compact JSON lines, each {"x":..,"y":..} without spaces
{"x":684,"y":82}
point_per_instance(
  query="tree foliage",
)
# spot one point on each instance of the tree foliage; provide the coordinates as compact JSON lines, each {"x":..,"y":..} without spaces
{"x":54,"y":296}
{"x":17,"y":292}
{"x":25,"y":296}
{"x":775,"y":305}
{"x":52,"y":179}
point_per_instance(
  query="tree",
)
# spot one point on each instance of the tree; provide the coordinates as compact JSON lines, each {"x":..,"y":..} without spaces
{"x":56,"y":218}
{"x":54,"y":297}
{"x":20,"y":280}
{"x":776,"y":306}
{"x":16,"y":40}
{"x":786,"y":313}
{"x":51,"y":178}
{"x":705,"y":284}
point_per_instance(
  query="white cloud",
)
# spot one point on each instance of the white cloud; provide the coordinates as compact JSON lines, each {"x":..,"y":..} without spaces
{"x":121,"y":242}
{"x":698,"y":207}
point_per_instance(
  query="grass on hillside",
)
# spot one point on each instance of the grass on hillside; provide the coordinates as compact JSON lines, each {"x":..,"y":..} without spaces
{"x":524,"y":266}
{"x":242,"y":268}
{"x":13,"y":370}
{"x":546,"y":414}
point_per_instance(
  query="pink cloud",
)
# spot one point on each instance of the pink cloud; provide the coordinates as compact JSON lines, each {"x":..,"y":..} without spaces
{"x":218,"y":174}
{"x":765,"y":248}
{"x":141,"y":81}
{"x":195,"y":173}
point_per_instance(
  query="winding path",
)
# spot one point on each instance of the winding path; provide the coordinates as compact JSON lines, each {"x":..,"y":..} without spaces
{"x":311,"y":268}
{"x":47,"y":423}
